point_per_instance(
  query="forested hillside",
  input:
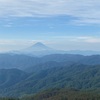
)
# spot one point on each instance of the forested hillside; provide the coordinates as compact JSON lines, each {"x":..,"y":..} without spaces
{"x":78,"y":76}
{"x":34,"y":74}
{"x":60,"y":94}
{"x":25,"y":61}
{"x":64,"y":94}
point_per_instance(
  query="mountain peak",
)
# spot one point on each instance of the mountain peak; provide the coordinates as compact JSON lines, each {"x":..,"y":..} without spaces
{"x":39,"y":47}
{"x":38,"y":44}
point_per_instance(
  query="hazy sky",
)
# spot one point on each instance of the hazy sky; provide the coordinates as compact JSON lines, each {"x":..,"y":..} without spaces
{"x":61,"y":24}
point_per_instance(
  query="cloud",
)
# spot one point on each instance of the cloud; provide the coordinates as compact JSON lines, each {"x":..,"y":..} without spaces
{"x":76,"y":43}
{"x":85,"y":11}
{"x":79,"y":39}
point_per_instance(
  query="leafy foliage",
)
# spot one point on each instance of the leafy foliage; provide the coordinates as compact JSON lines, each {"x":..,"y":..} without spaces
{"x":5,"y":98}
{"x":60,"y":94}
{"x":63,"y":94}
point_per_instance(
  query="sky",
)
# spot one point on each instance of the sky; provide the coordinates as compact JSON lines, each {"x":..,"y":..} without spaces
{"x":60,"y":24}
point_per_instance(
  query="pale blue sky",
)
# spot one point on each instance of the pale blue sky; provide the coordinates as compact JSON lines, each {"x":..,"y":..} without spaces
{"x":61,"y":24}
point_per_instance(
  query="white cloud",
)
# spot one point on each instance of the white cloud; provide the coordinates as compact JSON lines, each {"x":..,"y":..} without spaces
{"x":76,"y":43}
{"x":86,"y":11}
{"x":80,"y":39}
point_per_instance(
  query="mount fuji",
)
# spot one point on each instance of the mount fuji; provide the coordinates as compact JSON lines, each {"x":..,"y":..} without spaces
{"x":38,"y":49}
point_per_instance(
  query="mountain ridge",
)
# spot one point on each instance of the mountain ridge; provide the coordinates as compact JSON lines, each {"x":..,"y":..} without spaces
{"x":40,"y":49}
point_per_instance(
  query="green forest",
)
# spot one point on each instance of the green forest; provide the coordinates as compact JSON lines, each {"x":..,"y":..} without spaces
{"x":53,"y":77}
{"x":60,"y":94}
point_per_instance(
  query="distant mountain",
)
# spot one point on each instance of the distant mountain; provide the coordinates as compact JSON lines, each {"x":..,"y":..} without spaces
{"x":83,"y":52}
{"x":24,"y":61}
{"x":17,"y":61}
{"x":38,"y":49}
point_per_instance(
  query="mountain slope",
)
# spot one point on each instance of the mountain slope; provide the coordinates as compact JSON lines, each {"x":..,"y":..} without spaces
{"x":60,"y":94}
{"x":17,"y":61}
{"x":9,"y":77}
{"x":39,"y":49}
{"x":24,"y":62}
{"x":63,"y":94}
{"x":77,"y":76}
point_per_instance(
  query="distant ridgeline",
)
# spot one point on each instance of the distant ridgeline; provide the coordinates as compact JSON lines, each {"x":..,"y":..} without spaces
{"x":22,"y":75}
{"x":40,"y":49}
